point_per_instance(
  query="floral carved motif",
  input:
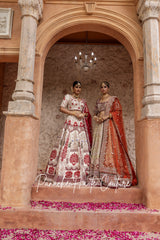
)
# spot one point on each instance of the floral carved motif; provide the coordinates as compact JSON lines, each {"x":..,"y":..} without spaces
{"x":3,"y":24}
{"x":6,"y":17}
{"x":148,"y":9}
{"x":32,"y":8}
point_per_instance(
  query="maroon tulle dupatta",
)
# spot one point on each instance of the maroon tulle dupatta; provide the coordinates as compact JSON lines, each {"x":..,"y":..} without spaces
{"x":88,"y":124}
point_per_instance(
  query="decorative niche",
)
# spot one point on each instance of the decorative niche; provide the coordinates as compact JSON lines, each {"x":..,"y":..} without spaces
{"x":6,"y":19}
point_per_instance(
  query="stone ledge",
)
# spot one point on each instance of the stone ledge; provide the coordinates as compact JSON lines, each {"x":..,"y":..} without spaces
{"x":87,"y":194}
{"x":72,"y":220}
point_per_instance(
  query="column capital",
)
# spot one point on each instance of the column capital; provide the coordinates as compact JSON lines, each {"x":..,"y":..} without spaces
{"x":32,"y":8}
{"x":148,"y":9}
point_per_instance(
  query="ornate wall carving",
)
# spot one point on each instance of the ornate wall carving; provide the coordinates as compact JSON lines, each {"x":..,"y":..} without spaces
{"x":32,"y":8}
{"x":6,"y":18}
{"x":148,"y":9}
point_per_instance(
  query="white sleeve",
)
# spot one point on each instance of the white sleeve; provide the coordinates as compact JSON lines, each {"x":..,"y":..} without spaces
{"x":65,"y":101}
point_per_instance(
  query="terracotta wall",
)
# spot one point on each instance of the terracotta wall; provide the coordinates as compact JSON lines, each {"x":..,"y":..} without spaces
{"x":113,"y":64}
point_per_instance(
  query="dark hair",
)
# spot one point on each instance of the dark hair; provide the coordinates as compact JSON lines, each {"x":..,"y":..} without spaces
{"x":106,"y":83}
{"x":76,"y":82}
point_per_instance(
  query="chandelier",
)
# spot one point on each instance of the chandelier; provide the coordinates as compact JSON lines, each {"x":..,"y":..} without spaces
{"x":86,"y":61}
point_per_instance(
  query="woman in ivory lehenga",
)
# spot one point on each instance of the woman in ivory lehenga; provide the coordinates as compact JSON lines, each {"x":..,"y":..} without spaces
{"x":110,"y":162}
{"x":70,"y":161}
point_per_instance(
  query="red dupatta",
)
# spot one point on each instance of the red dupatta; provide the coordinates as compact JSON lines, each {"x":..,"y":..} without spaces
{"x":117,"y":130}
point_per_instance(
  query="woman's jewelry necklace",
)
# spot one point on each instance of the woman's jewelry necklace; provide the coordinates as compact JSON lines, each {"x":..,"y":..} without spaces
{"x":76,"y":96}
{"x":105,"y":97}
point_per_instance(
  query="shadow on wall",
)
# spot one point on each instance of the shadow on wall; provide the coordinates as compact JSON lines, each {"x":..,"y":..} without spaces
{"x":10,"y":75}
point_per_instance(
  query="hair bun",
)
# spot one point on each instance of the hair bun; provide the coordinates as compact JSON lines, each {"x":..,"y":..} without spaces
{"x":76,"y":82}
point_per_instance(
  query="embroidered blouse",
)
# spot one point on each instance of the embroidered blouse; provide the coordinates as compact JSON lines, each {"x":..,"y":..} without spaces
{"x":72,"y":103}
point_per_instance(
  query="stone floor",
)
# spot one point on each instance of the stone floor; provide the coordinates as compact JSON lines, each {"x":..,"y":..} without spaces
{"x":67,"y":213}
{"x":47,"y":215}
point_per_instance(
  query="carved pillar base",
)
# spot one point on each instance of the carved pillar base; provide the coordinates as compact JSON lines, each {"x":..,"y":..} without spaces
{"x":21,"y":107}
{"x":151,"y":111}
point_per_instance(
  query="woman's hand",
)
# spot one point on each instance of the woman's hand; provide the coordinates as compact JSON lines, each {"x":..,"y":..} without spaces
{"x":78,"y":114}
{"x":102,"y":119}
{"x":86,"y":114}
{"x":98,"y":119}
{"x":106,"y":117}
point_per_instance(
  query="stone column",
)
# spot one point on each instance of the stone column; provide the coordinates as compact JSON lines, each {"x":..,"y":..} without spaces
{"x":20,"y":148}
{"x":23,"y":96}
{"x":148,"y":11}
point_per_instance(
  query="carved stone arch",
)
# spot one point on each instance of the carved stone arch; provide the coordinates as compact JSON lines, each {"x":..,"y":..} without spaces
{"x":119,"y":26}
{"x":124,"y":29}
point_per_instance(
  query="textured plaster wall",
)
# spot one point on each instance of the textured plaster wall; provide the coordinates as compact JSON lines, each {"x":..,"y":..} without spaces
{"x":113,"y":64}
{"x":10,"y":76}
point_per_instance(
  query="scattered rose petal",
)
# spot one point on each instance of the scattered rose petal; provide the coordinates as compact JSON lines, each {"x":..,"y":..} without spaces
{"x":90,"y":206}
{"x":30,"y":234}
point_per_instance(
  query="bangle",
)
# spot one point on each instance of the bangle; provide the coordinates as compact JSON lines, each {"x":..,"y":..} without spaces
{"x":110,"y":115}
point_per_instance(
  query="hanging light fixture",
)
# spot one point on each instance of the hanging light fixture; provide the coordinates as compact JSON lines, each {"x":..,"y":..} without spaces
{"x":87,"y":62}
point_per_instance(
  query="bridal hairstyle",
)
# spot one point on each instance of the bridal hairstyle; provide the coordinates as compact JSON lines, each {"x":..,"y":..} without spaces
{"x":106,"y":83}
{"x":76,"y":82}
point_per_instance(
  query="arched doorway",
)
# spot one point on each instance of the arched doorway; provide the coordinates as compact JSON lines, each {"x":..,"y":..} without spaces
{"x":50,"y":31}
{"x":127,"y":32}
{"x":114,"y":65}
{"x":122,"y":29}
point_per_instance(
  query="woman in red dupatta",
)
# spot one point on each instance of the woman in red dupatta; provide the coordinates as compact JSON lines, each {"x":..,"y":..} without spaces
{"x":110,"y":162}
